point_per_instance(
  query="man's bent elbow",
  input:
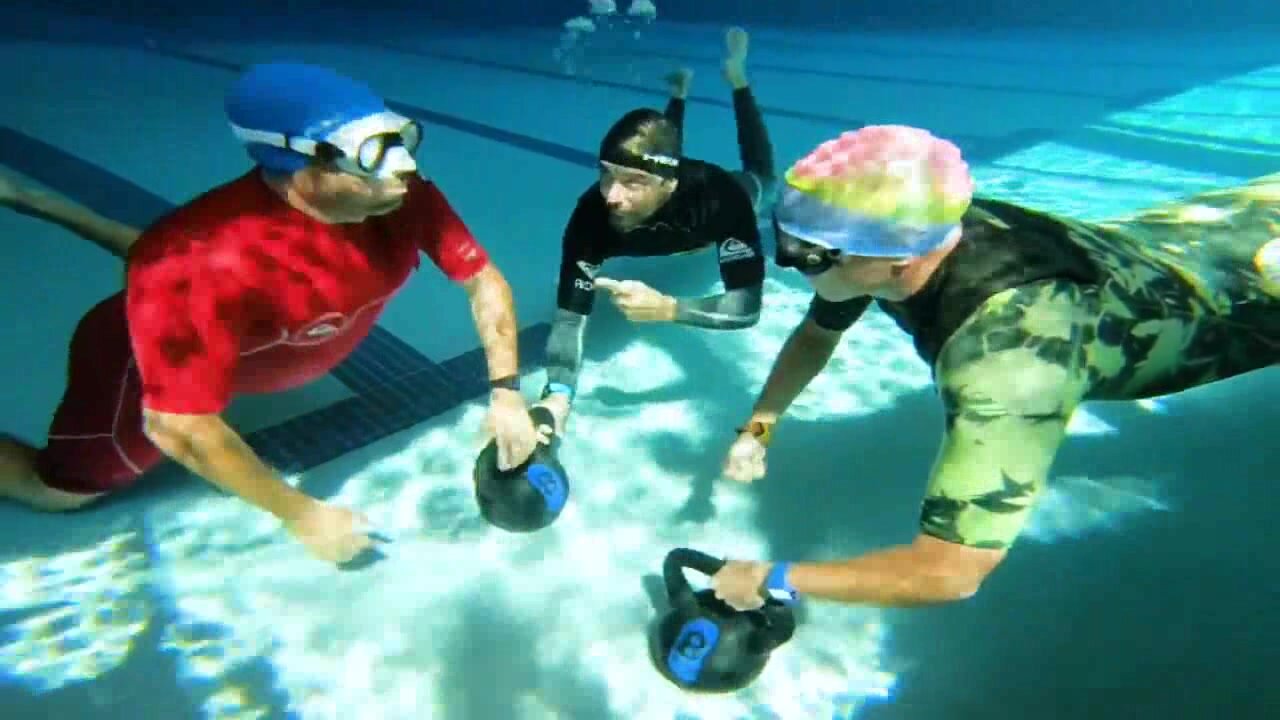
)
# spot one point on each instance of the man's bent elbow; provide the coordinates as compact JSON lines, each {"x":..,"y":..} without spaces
{"x":954,"y":589}
{"x":945,"y":585}
{"x":958,"y":571}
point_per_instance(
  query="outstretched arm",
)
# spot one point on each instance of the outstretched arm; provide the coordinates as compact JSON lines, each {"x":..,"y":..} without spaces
{"x":493,"y":310}
{"x":453,"y":249}
{"x":112,"y":236}
{"x":449,"y":243}
{"x":564,"y":351}
{"x":804,"y":355}
{"x":730,"y":310}
{"x":992,"y":466}
{"x":186,"y":347}
{"x":741,"y":261}
{"x":1007,"y":410}
{"x":580,"y":261}
{"x":563,"y":359}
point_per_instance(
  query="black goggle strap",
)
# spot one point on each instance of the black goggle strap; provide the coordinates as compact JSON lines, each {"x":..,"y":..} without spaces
{"x":305,"y":146}
{"x":786,"y":246}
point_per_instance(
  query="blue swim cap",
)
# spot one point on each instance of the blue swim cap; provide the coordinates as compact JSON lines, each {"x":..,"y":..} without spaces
{"x":295,"y":100}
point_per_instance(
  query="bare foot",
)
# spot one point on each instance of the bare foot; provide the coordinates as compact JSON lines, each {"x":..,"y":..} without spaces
{"x":19,"y":481}
{"x":679,"y":81}
{"x":736,"y":42}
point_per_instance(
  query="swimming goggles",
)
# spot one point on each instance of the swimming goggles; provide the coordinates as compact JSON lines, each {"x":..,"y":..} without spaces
{"x":379,"y":145}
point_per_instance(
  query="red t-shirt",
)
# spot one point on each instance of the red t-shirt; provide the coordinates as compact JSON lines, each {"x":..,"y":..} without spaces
{"x":237,"y":292}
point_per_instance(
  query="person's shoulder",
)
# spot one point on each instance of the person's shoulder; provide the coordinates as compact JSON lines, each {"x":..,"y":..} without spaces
{"x":186,"y":235}
{"x":590,"y":207}
{"x":217,"y":208}
{"x":992,"y":215}
{"x":1033,"y":332}
{"x":700,"y":172}
{"x":590,"y":198}
{"x":712,"y":184}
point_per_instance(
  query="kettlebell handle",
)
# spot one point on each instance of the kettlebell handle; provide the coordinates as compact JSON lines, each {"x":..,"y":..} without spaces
{"x":678,"y":590}
{"x":781,"y":622}
{"x":542,"y":416}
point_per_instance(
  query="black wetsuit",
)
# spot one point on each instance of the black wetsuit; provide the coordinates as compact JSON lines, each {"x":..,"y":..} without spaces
{"x":711,"y":207}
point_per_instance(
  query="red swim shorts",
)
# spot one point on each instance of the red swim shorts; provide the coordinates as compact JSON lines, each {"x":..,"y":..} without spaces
{"x":96,"y":443}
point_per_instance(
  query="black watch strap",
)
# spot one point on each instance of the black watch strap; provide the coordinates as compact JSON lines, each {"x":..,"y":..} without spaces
{"x":507,"y":382}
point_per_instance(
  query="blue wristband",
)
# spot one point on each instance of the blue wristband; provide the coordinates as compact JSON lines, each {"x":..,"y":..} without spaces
{"x":557,"y":389}
{"x":776,"y":583}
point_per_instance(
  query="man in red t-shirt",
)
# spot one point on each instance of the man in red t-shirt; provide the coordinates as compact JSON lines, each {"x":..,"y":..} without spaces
{"x":262,"y":284}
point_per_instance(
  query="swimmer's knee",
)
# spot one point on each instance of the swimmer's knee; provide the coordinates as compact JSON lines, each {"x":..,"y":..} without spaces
{"x":20,"y":481}
{"x":36,"y":494}
{"x":59,"y":501}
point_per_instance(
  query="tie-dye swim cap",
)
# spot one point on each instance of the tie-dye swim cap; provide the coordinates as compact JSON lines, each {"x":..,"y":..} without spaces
{"x":882,"y":191}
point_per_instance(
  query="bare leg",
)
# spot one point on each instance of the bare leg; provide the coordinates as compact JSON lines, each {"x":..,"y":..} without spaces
{"x":20,"y":482}
{"x":112,"y":236}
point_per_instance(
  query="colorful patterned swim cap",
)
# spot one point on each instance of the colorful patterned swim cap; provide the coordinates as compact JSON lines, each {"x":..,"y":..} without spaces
{"x":882,"y":191}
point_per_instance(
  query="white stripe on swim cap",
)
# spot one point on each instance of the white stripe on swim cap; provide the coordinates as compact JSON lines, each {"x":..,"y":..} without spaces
{"x":347,"y":136}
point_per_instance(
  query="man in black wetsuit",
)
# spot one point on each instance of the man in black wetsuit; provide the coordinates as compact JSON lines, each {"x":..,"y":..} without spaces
{"x":650,"y":201}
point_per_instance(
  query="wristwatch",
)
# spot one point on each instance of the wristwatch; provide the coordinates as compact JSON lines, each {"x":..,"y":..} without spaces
{"x":506,"y":382}
{"x":760,"y":430}
{"x":555,"y":388}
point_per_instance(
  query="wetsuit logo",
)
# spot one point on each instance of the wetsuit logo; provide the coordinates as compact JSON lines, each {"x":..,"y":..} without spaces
{"x":734,"y":249}
{"x":588,"y":269}
{"x":319,"y":330}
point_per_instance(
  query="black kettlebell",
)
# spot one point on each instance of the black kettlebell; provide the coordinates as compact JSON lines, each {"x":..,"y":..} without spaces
{"x":704,"y":645}
{"x":526,"y":498}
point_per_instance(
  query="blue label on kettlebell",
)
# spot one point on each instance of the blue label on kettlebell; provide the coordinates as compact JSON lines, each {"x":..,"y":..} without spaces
{"x":550,"y":484}
{"x":692,"y":646}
